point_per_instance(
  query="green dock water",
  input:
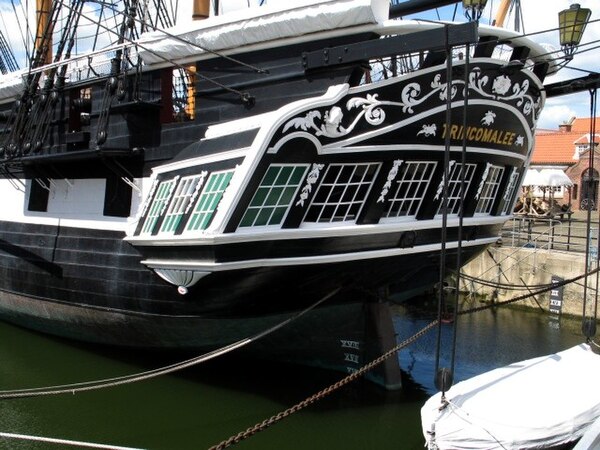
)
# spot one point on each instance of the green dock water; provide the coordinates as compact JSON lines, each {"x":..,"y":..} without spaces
{"x":203,"y":405}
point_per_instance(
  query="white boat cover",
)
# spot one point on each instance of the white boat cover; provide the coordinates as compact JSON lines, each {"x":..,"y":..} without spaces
{"x":537,"y":403}
{"x":261,"y":24}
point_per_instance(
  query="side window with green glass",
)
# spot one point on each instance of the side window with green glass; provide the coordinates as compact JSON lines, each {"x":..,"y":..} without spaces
{"x":274,"y":196}
{"x":161,"y":198}
{"x":209,"y":200}
{"x":181,"y":199}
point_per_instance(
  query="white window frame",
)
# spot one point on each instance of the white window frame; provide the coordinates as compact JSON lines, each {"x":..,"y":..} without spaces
{"x":489,"y":192}
{"x":207,"y":190}
{"x":184,"y":192}
{"x":454,"y":187}
{"x":324,"y":205}
{"x":161,"y":199}
{"x":422,"y":186}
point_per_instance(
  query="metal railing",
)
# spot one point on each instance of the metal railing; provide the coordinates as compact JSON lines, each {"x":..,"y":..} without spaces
{"x":549,"y":234}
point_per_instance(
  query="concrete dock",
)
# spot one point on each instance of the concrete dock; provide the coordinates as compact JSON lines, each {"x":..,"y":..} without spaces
{"x":530,"y":252}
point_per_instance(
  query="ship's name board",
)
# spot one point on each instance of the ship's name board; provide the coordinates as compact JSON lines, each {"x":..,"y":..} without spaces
{"x":479,"y":134}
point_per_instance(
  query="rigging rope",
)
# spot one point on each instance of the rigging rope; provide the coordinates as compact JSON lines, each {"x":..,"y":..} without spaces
{"x":588,"y":323}
{"x":322,"y":393}
{"x":205,"y":49}
{"x":328,"y":390}
{"x":245,"y":97}
{"x":75,"y":388}
{"x":24,"y":437}
{"x":443,"y":376}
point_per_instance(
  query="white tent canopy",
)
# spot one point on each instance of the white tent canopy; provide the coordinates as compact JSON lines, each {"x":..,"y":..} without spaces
{"x":546,"y":178}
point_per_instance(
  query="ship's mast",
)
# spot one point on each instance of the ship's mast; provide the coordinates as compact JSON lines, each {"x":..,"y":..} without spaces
{"x":501,"y":13}
{"x":43,"y":36}
{"x":503,"y":9}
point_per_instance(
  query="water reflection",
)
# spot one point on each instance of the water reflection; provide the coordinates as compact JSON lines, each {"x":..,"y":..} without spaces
{"x":206,"y":404}
{"x":486,"y":340}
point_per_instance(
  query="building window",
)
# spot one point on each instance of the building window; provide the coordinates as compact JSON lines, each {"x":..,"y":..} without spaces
{"x":161,"y":199}
{"x":208,"y":201}
{"x":489,"y":189}
{"x":274,"y":196}
{"x":454,"y":186}
{"x":181,"y":200}
{"x":410,"y":187}
{"x":342,"y":192}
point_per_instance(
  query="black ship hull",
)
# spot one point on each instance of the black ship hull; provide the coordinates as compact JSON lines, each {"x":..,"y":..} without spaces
{"x":190,"y":205}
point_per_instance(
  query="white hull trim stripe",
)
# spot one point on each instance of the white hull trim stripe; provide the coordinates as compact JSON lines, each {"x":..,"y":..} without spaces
{"x":310,"y":233}
{"x":308,"y":260}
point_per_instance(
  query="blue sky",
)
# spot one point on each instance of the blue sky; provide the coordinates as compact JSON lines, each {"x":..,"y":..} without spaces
{"x":539,"y":15}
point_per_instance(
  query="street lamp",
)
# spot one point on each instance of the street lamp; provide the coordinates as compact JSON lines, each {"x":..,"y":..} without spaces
{"x":572,"y":23}
{"x":473,"y":8}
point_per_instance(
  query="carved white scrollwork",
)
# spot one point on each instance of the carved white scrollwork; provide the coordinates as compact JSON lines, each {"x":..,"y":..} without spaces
{"x":428,"y":130}
{"x":311,"y":179}
{"x":511,"y":184}
{"x":486,"y":172}
{"x":370,"y":107}
{"x":443,"y":182}
{"x":488,"y":118}
{"x":390,"y":179}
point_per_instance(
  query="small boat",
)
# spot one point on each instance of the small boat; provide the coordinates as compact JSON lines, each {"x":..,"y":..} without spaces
{"x":544,"y":402}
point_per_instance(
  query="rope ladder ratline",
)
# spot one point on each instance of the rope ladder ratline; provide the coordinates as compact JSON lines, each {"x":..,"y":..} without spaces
{"x":244,"y":96}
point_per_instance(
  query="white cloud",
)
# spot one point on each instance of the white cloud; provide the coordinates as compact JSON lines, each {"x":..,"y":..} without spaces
{"x":553,"y":115}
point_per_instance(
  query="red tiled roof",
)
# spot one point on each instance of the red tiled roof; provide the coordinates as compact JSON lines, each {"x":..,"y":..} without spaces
{"x":583,"y":125}
{"x":558,"y":147}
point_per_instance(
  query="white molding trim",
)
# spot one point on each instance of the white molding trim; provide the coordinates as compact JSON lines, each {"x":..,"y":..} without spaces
{"x":307,"y":260}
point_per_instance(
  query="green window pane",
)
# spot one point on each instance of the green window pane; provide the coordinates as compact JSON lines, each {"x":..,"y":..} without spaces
{"x":287,"y":196}
{"x":284,"y":175}
{"x":259,"y":197}
{"x":297,"y":176}
{"x":277,"y":215}
{"x":249,"y":217}
{"x":208,"y":201}
{"x":263,"y":216}
{"x":270,"y":176}
{"x":273,"y":197}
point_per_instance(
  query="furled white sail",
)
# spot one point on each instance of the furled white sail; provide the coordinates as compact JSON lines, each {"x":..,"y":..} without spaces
{"x":261,"y":24}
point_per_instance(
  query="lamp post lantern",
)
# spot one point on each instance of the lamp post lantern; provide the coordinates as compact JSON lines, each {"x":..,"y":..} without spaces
{"x":572,"y":22}
{"x":473,"y":8}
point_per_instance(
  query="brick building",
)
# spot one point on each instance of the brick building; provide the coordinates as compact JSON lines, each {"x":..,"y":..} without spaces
{"x":568,"y":149}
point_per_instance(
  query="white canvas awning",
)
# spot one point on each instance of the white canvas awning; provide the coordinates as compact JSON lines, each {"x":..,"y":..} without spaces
{"x":537,"y":403}
{"x":546,"y":178}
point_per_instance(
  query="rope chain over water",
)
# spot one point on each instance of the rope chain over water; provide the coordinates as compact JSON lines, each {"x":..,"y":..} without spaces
{"x":353,"y":376}
{"x":101,"y":384}
{"x":127,"y":379}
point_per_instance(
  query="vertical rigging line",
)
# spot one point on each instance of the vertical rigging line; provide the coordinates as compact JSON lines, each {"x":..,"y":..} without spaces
{"x":588,"y":326}
{"x":438,"y":376}
{"x":463,"y":174}
{"x":593,"y":108}
{"x":24,"y":38}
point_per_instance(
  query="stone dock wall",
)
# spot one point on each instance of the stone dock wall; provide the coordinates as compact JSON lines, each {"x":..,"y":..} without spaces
{"x":530,"y":267}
